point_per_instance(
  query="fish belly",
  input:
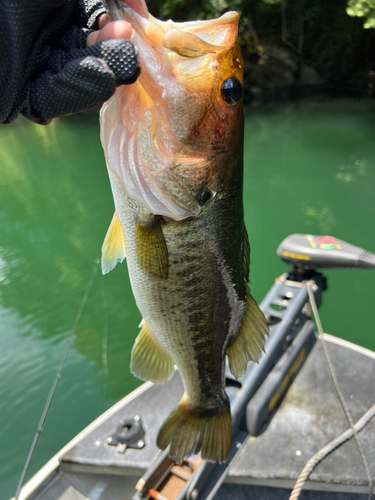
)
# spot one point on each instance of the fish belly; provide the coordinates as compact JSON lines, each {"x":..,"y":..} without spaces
{"x":193,"y":314}
{"x":194,"y":311}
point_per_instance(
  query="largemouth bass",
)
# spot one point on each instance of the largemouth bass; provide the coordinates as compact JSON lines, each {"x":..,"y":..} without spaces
{"x":173,"y":143}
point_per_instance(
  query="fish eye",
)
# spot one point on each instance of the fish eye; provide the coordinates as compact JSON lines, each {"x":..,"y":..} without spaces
{"x":231,"y":91}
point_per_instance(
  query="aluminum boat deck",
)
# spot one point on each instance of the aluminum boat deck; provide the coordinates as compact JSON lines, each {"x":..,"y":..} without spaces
{"x":266,"y":467}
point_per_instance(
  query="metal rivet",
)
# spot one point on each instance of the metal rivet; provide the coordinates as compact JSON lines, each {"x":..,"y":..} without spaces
{"x":109,"y":440}
{"x":298,"y":453}
{"x":136,"y":418}
{"x":97,"y":443}
{"x":238,"y":445}
{"x":140,"y":443}
{"x":194,"y":494}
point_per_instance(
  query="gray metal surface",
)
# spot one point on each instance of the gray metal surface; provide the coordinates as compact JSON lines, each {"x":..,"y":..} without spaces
{"x":153,"y":407}
{"x":241,"y":492}
{"x":309,"y":418}
{"x":286,"y":318}
{"x":84,"y":486}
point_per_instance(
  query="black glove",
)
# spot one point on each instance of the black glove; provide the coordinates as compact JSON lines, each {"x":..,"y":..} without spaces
{"x":46,"y":70}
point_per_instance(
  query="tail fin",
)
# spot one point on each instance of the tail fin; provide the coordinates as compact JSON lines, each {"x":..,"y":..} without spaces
{"x":189,"y":433}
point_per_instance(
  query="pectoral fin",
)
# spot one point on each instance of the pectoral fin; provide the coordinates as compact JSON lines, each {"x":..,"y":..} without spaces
{"x":249,"y":343}
{"x":113,"y":249}
{"x":149,"y":361}
{"x":151,"y":249}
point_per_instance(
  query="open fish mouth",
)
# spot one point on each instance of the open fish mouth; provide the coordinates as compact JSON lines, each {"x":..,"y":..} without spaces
{"x":173,"y":51}
{"x":168,"y":130}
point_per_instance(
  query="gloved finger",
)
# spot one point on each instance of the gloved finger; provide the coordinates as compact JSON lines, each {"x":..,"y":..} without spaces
{"x":74,"y":38}
{"x":102,"y":20}
{"x":112,"y":30}
{"x":120,"y":55}
{"x":88,"y":12}
{"x":82,"y":84}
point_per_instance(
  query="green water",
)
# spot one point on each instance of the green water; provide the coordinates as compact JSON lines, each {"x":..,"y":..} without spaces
{"x":309,"y":168}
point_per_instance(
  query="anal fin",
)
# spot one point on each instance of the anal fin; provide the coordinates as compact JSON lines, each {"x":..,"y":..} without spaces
{"x":249,"y":343}
{"x":113,"y":249}
{"x":151,"y":249}
{"x":149,"y":361}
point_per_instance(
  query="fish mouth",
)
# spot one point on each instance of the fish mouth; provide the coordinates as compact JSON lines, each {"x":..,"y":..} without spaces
{"x":219,"y":31}
{"x":151,"y":147}
{"x":159,"y":43}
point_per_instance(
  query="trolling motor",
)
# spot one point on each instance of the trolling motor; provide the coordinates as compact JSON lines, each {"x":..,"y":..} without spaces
{"x":257,"y":394}
{"x":306,"y":252}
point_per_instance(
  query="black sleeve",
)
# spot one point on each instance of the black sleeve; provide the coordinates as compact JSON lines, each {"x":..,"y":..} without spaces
{"x":46,"y":70}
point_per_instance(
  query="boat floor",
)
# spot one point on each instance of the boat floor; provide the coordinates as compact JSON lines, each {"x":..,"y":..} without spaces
{"x":88,"y":486}
{"x":85,"y":486}
{"x":266,"y":467}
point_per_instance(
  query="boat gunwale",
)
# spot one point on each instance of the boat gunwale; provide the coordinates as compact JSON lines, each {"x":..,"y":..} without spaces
{"x":52,"y":465}
{"x":348,"y":345}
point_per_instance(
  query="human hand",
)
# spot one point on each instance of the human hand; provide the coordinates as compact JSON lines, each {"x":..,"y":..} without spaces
{"x":53,"y":70}
{"x":116,"y":29}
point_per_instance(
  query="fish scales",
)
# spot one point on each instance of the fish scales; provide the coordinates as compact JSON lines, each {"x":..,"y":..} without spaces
{"x":189,"y":311}
{"x":173,"y":143}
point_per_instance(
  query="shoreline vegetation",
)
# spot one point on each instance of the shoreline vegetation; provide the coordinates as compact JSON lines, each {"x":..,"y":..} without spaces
{"x":295,"y":48}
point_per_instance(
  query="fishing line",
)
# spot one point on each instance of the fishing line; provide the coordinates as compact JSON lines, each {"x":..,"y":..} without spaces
{"x":57,"y":378}
{"x":354,"y":428}
{"x":105,"y":331}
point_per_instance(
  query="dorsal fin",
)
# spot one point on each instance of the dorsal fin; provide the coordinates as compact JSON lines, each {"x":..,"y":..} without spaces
{"x":113,"y":249}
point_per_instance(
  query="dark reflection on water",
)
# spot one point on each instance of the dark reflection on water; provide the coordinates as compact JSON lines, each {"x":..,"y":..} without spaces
{"x":309,"y":167}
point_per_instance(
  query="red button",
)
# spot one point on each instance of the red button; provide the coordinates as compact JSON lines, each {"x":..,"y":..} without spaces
{"x":326,"y":240}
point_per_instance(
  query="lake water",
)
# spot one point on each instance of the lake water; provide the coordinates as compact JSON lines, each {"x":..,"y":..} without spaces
{"x":309,"y":168}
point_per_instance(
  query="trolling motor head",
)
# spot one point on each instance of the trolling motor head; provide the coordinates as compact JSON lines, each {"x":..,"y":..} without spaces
{"x":307,"y":252}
